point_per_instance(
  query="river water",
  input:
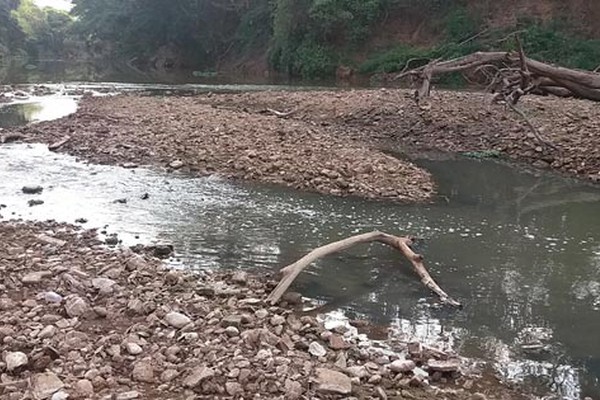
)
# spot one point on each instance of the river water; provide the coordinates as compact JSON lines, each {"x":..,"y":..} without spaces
{"x":520,"y":250}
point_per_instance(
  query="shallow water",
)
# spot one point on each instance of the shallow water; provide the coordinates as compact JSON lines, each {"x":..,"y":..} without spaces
{"x":520,"y":250}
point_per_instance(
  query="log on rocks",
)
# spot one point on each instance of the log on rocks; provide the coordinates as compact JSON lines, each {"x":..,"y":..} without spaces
{"x":512,"y":72}
{"x":401,"y":244}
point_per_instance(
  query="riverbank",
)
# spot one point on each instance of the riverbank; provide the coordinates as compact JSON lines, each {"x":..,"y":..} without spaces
{"x":95,"y":323}
{"x":190,"y":134}
{"x":330,"y":142}
{"x":451,"y":121}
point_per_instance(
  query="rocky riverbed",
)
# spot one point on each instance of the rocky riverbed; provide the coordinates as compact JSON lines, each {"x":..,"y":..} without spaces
{"x":80,"y":320}
{"x":324,"y":141}
{"x":450,"y":121}
{"x":186,"y":133}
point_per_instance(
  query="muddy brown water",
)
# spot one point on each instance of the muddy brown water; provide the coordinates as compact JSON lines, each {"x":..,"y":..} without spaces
{"x":520,"y":249}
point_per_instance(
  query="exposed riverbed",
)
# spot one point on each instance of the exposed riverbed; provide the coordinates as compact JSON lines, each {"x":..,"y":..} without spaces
{"x":520,"y":250}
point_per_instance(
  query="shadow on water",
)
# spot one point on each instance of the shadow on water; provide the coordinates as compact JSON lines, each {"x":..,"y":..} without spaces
{"x":521,"y":250}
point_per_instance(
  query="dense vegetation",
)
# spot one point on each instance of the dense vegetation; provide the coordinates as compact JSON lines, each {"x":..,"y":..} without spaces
{"x":307,"y":38}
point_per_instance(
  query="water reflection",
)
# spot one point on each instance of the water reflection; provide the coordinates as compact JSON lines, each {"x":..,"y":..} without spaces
{"x":36,"y":109}
{"x":521,"y":251}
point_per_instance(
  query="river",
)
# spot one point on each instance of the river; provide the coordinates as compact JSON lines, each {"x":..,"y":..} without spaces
{"x":520,"y":249}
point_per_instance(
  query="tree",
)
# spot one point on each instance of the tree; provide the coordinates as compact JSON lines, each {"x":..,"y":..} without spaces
{"x":11,"y":36}
{"x":45,"y":29}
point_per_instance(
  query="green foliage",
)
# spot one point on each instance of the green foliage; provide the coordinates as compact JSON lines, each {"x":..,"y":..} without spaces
{"x":255,"y":27}
{"x":550,"y":43}
{"x":45,"y":29}
{"x":460,"y":25}
{"x":395,"y":59}
{"x":11,"y":35}
{"x":312,"y":60}
{"x":349,"y":20}
{"x":547,"y":43}
{"x":306,"y":38}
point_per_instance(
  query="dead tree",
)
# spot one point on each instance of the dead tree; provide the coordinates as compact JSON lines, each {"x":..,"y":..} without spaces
{"x":511,"y":75}
{"x":402,"y":244}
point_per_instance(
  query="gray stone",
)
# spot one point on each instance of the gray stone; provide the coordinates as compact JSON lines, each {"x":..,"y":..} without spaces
{"x":60,"y":395}
{"x":232,"y":320}
{"x":35,"y":277}
{"x":143,"y":372}
{"x":51,"y":297}
{"x":48,"y":332}
{"x":15,"y":360}
{"x":232,"y":331}
{"x":240,"y":277}
{"x":292,"y":297}
{"x":197,"y":375}
{"x":169,"y":375}
{"x":133,"y":394}
{"x":233,"y":388}
{"x":277,"y":320}
{"x":75,"y":306}
{"x":84,"y":388}
{"x":333,"y":382}
{"x":103,"y":285}
{"x":133,"y":348}
{"x":381,"y":393}
{"x":402,"y":366}
{"x":176,"y":164}
{"x":32,"y":189}
{"x":293,"y":389}
{"x":341,"y":361}
{"x":177,"y":320}
{"x":45,"y":385}
{"x":358,"y":371}
{"x":450,"y":365}
{"x":316,"y":349}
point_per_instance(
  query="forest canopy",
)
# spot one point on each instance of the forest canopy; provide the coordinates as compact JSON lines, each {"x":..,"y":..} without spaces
{"x":305,"y":38}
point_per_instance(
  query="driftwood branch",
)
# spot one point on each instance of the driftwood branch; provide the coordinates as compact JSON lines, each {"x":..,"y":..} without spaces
{"x":401,"y":244}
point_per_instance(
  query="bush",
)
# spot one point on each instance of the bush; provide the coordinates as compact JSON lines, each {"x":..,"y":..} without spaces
{"x":312,"y":60}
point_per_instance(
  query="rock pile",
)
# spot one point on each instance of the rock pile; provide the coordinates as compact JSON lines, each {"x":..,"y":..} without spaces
{"x":81,"y":321}
{"x":182,"y":133}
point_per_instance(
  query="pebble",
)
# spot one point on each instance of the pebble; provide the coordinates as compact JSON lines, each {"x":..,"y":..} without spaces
{"x":32,"y":189}
{"x":177,"y":320}
{"x":45,"y":385}
{"x":246,"y":348}
{"x":133,"y":349}
{"x":333,"y":382}
{"x":402,"y":366}
{"x":75,"y":306}
{"x":168,"y":375}
{"x":84,"y":388}
{"x":232,"y":331}
{"x":35,"y":277}
{"x":277,"y":320}
{"x":197,"y":375}
{"x":15,"y":360}
{"x":143,"y":372}
{"x":315,"y":349}
{"x":176,"y":164}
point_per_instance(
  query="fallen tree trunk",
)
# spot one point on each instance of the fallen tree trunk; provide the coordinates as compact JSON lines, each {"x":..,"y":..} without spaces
{"x":402,"y":244}
{"x":512,"y":72}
